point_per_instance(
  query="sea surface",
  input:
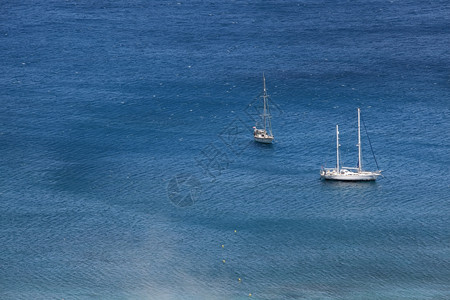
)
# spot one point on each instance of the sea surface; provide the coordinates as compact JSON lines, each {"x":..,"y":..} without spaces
{"x":128,"y":168}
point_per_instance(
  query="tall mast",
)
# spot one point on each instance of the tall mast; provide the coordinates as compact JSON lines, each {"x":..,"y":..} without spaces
{"x":264,"y":98}
{"x":359,"y":142}
{"x":337,"y":148}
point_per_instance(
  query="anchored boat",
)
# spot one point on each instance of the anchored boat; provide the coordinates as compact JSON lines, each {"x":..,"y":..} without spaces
{"x":264,"y":135}
{"x":346,"y":173}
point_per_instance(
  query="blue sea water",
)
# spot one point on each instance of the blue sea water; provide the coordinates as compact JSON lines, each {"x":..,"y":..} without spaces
{"x":128,"y":169}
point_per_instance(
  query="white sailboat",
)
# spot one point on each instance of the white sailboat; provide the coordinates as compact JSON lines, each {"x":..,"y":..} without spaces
{"x":264,"y":135}
{"x":346,"y":173}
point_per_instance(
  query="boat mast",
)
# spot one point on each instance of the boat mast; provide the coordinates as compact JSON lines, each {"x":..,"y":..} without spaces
{"x":264,"y":99}
{"x":359,"y":142}
{"x":337,"y":148}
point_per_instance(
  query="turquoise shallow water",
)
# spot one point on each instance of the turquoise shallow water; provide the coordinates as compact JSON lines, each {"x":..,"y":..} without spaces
{"x":128,"y":161}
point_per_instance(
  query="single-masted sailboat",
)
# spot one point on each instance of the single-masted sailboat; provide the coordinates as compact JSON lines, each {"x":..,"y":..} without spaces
{"x":346,"y":173}
{"x":264,"y":135}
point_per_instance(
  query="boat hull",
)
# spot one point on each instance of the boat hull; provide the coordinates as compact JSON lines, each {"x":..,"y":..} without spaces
{"x":349,"y":176}
{"x":262,"y":136}
{"x":264,"y":140}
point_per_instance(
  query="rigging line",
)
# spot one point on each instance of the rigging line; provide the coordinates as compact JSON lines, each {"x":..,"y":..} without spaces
{"x":370,"y":143}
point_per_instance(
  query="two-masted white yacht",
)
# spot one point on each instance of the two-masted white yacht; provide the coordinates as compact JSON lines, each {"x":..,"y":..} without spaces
{"x":347,"y":173}
{"x":264,"y":135}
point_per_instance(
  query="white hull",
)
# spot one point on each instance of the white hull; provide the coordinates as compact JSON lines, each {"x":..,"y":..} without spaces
{"x":261,"y":136}
{"x":264,"y":140}
{"x":349,"y":176}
